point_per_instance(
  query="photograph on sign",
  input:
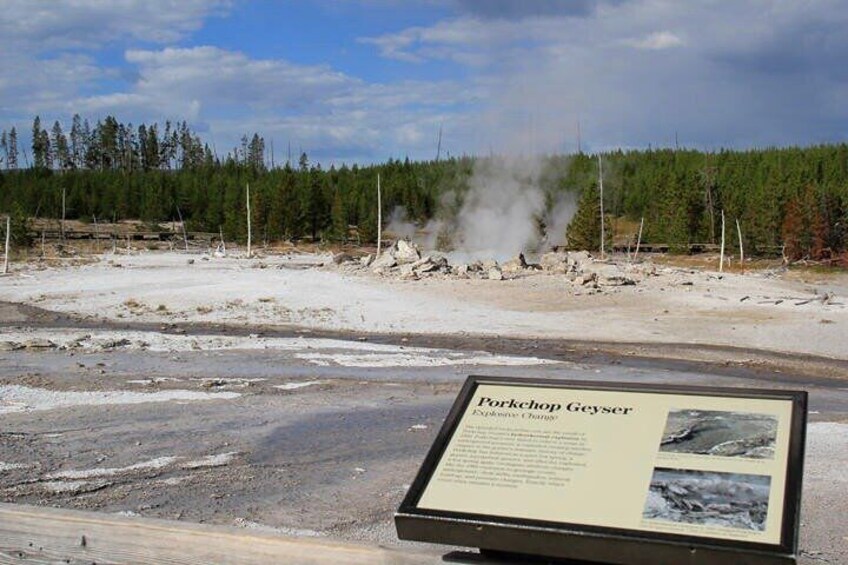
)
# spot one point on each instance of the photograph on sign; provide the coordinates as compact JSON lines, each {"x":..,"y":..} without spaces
{"x":728,"y":500}
{"x":720,"y":433}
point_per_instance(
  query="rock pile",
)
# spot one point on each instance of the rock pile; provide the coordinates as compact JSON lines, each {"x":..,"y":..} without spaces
{"x":405,"y":260}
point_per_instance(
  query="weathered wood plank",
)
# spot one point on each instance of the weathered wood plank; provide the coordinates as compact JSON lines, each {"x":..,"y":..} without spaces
{"x":37,"y":535}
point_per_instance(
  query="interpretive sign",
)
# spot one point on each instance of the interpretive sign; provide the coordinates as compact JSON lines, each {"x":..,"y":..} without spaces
{"x":614,"y":472}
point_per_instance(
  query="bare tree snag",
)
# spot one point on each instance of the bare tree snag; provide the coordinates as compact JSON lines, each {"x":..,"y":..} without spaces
{"x":721,"y":258}
{"x":639,"y":238}
{"x":741,"y":249}
{"x":601,"y":187}
{"x":248,"y":221}
{"x":8,"y":232}
{"x":379,"y":216}
{"x":182,"y":223}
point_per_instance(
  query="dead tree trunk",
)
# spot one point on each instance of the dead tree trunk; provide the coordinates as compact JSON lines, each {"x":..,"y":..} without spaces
{"x":601,"y":186}
{"x":182,"y":223}
{"x":96,"y":233}
{"x":721,"y":258}
{"x":379,"y":216}
{"x":63,"y":215}
{"x":639,"y":238}
{"x":249,"y":234}
{"x":8,"y":233}
{"x":741,"y":249}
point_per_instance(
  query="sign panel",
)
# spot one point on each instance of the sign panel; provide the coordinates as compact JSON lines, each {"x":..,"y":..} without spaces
{"x":710,"y":467}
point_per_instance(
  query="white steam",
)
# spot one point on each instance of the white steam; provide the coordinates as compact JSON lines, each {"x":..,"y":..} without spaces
{"x":399,"y":225}
{"x":558,"y":218}
{"x":503,"y":212}
{"x":500,"y":213}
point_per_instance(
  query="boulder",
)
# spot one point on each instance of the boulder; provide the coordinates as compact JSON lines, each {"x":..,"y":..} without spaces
{"x":514,"y":265}
{"x":554,"y":262}
{"x":340,"y":258}
{"x":578,"y":259}
{"x":405,"y":252}
{"x":38,"y":343}
{"x":424,"y":265}
{"x":586,"y":279}
{"x":495,"y":274}
{"x":366,"y":261}
{"x":488,"y":265}
{"x":616,"y":280}
{"x":384,"y":261}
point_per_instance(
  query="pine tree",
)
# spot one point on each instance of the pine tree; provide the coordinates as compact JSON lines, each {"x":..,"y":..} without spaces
{"x":12,"y":157}
{"x":338,"y":216}
{"x":60,"y":145}
{"x":39,"y":148}
{"x":256,"y":153}
{"x":4,"y":148}
{"x":584,"y":229}
{"x":791,"y":231}
{"x":78,"y":143}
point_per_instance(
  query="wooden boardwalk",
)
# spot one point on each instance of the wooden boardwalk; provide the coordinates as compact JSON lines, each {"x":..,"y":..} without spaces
{"x":40,"y":535}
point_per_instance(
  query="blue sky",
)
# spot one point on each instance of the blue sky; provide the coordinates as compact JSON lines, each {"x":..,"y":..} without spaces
{"x":365,"y":80}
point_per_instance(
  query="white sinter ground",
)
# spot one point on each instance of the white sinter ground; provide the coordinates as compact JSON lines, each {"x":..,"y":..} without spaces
{"x":677,"y":306}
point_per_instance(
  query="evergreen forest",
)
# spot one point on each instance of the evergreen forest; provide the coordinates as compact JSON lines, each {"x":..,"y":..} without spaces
{"x":791,"y":200}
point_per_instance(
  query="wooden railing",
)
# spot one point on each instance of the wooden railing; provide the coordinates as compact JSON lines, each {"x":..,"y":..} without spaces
{"x":40,"y":535}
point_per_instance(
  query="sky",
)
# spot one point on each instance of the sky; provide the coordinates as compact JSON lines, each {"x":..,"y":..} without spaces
{"x":360,"y":81}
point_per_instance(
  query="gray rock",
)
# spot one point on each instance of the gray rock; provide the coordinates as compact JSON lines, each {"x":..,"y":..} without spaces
{"x":340,"y":258}
{"x":554,"y":262}
{"x":367,"y":260}
{"x":514,"y":265}
{"x":38,"y":343}
{"x":616,"y":280}
{"x":405,"y":252}
{"x":432,"y":263}
{"x":10,"y":346}
{"x":578,"y":259}
{"x":406,"y":269}
{"x":486,"y":265}
{"x":384,"y":261}
{"x":586,"y":279}
{"x":495,"y":274}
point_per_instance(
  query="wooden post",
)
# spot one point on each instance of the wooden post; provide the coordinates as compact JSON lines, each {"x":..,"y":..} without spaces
{"x":96,"y":233}
{"x":379,"y":216}
{"x":248,"y":221}
{"x":741,"y":250}
{"x":721,"y":258}
{"x":182,"y":223}
{"x":639,"y":239}
{"x":601,"y":185}
{"x":63,"y":214}
{"x":8,"y":232}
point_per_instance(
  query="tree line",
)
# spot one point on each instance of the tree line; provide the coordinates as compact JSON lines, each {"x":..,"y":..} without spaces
{"x":792,"y":200}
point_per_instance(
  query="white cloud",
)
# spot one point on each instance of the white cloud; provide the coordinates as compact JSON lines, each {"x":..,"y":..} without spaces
{"x":224,"y":77}
{"x":752,"y":73}
{"x":657,"y":40}
{"x":41,"y":25}
{"x":318,"y":109}
{"x":632,"y":72}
